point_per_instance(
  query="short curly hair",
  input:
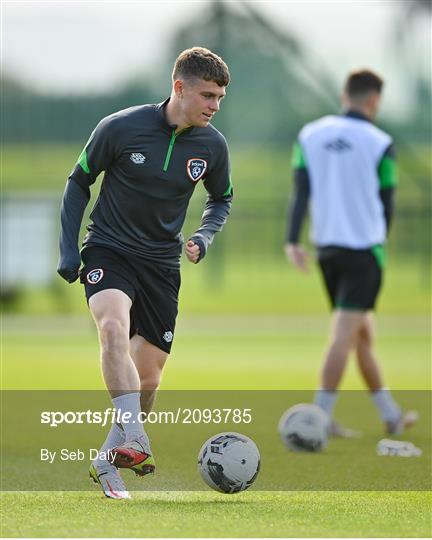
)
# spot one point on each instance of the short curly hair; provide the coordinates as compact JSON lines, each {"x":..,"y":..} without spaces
{"x":203,"y":64}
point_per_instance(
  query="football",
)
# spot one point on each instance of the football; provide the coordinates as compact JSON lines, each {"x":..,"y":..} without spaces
{"x":304,"y":428}
{"x":229,"y":462}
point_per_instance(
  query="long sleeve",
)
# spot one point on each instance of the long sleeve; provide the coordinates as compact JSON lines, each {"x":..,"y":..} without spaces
{"x":387,"y":199}
{"x":387,"y":173}
{"x":75,"y":200}
{"x":299,"y":202}
{"x":218,"y":205}
{"x":215,"y":215}
{"x":95,"y":158}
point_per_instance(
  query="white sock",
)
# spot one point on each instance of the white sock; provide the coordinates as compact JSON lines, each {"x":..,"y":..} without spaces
{"x":388,"y":408}
{"x":115,"y":437}
{"x":130,"y":403}
{"x":326,"y":399}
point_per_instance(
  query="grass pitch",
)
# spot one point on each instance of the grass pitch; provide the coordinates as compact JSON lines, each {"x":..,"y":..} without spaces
{"x":205,"y":514}
{"x":238,"y":352}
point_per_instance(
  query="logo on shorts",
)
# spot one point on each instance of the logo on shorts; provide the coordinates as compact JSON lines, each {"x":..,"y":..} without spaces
{"x":196,"y":168}
{"x":137,"y":158}
{"x":168,"y":336}
{"x":94,"y":276}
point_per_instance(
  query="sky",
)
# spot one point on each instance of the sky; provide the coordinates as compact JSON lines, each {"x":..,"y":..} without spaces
{"x":91,"y":46}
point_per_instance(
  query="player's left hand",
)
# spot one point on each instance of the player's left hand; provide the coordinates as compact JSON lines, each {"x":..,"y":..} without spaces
{"x":192,"y":251}
{"x":297,"y":255}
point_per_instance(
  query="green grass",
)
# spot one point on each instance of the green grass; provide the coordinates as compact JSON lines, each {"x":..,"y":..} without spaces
{"x":204,"y":514}
{"x":277,"y":345}
{"x":213,"y":352}
{"x":213,"y":288}
{"x":238,"y":352}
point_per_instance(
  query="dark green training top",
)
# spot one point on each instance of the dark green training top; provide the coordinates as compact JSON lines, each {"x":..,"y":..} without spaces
{"x":150,"y":175}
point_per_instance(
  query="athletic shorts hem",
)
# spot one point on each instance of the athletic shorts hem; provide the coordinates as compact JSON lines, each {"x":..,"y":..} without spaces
{"x":352,"y":278}
{"x":92,"y":293}
{"x":352,"y":308}
{"x":153,"y":290}
{"x":163,"y":347}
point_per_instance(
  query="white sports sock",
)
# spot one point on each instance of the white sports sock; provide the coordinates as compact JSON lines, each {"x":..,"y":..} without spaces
{"x":326,"y":399}
{"x":130,"y":403}
{"x":115,"y":437}
{"x":388,"y":408}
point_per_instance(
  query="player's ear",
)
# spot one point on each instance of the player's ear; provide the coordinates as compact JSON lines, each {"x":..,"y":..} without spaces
{"x":178,"y":88}
{"x":375,"y":99}
{"x":344,"y":100}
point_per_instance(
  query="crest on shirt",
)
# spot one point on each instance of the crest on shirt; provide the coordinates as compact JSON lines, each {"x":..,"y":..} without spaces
{"x":94,"y":276}
{"x":137,"y":158}
{"x":196,"y":167}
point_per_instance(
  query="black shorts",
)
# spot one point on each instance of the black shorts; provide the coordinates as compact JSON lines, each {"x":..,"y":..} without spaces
{"x":352,"y":277}
{"x":153,"y":289}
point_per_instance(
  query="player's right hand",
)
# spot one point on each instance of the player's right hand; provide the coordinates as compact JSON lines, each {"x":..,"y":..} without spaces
{"x":68,"y":267}
{"x":192,"y":251}
{"x":297,"y":255}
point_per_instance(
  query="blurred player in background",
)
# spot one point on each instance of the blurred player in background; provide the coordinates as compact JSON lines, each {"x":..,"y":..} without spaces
{"x":345,"y":166}
{"x":153,"y":157}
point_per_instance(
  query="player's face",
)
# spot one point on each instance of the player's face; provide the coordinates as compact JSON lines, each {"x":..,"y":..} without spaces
{"x":201,"y":100}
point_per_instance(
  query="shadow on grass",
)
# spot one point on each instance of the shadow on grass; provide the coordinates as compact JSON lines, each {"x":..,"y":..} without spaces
{"x":157,"y":503}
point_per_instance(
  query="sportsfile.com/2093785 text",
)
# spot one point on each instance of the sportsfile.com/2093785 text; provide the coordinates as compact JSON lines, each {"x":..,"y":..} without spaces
{"x":181,"y":415}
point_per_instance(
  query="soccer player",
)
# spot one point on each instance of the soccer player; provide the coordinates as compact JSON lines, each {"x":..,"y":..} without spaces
{"x":153,"y":157}
{"x":345,"y":166}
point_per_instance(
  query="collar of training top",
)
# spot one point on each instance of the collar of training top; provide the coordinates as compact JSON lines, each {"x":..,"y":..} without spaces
{"x":161,"y":112}
{"x":356,"y":114}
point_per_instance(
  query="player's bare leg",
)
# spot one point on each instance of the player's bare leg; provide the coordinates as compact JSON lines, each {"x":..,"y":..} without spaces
{"x":394,"y":419}
{"x":110,"y":309}
{"x":366,"y":358}
{"x":346,"y":325}
{"x":149,"y":361}
{"x":345,"y":328}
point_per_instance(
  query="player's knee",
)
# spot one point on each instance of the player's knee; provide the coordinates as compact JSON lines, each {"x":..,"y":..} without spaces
{"x":150,"y":383}
{"x":113,"y":335}
{"x":341,"y":343}
{"x":150,"y":376}
{"x":365,"y":337}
